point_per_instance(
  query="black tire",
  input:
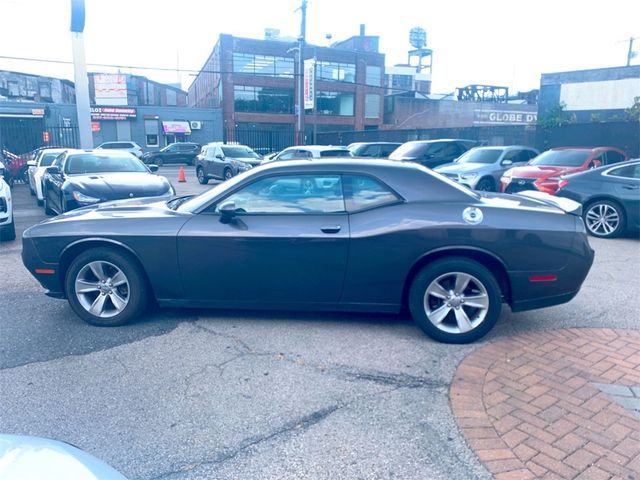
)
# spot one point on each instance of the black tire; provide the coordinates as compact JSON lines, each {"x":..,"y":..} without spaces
{"x":23,"y":175}
{"x":445,"y":270}
{"x":8,"y":232}
{"x":596,"y":209}
{"x":202,"y":178}
{"x":227,"y":174}
{"x":47,"y":209}
{"x":159,"y":161}
{"x":138,"y":291}
{"x":40,"y":202}
{"x":486,"y":184}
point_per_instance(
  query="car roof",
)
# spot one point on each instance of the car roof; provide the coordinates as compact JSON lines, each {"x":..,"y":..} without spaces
{"x":504,"y":147}
{"x":444,"y":140}
{"x":318,"y":148}
{"x":584,"y":149}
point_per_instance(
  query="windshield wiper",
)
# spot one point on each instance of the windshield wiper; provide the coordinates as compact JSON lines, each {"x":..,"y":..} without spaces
{"x":176,"y":202}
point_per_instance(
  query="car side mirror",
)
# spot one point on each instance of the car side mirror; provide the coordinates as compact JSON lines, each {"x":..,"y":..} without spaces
{"x":428,"y":155}
{"x":506,"y":163}
{"x":31,"y":163}
{"x":220,"y":156}
{"x":227,"y":211}
{"x":153,"y":168}
{"x":55,"y":170}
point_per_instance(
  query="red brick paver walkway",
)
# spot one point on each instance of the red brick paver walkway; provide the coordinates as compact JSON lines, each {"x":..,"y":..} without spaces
{"x":529,"y":406}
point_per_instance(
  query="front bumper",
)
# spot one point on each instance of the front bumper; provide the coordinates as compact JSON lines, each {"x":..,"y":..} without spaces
{"x":47,"y":274}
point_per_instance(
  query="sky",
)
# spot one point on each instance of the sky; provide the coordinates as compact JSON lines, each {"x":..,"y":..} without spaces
{"x":495,"y":42}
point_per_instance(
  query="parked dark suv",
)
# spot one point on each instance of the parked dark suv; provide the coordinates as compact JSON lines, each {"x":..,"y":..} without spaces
{"x":222,"y":161}
{"x":432,"y":153}
{"x":184,"y":152}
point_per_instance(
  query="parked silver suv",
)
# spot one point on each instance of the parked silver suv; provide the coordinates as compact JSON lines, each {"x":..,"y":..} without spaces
{"x":131,"y":147}
{"x":481,"y":168}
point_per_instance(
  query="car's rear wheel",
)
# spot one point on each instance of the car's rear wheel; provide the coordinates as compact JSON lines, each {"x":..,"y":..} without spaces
{"x":8,"y":232}
{"x":47,"y":209}
{"x":106,"y":287}
{"x":159,"y":161}
{"x":604,"y":219}
{"x":486,"y":185}
{"x":455,"y":300}
{"x":202,"y":178}
{"x":227,"y":173}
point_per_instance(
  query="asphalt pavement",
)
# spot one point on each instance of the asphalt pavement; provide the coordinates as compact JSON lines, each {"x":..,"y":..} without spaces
{"x":201,"y":394}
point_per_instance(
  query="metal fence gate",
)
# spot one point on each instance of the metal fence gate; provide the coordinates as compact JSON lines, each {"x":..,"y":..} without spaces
{"x":22,"y":135}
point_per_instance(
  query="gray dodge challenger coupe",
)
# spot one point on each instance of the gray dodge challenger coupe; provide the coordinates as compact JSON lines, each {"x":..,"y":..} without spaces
{"x":340,"y":235}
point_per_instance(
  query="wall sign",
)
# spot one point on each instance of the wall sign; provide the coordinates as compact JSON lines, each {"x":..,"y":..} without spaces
{"x":504,"y":117}
{"x":113,"y":113}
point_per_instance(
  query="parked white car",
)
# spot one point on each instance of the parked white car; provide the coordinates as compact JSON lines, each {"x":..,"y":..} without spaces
{"x":131,"y":147}
{"x":310,"y":151}
{"x":44,"y":159}
{"x":7,"y":227}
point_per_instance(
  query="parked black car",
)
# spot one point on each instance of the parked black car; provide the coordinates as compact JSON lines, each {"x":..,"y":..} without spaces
{"x":610,"y":196}
{"x":78,"y":178}
{"x":222,"y":161}
{"x":173,"y":153}
{"x":373,"y":149}
{"x":432,"y":153}
{"x":347,"y":234}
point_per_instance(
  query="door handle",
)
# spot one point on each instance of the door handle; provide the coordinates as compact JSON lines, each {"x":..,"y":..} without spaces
{"x":630,"y":187}
{"x":331,"y":228}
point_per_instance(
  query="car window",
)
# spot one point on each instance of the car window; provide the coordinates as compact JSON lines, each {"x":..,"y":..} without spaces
{"x":102,"y":163}
{"x":386,"y":150}
{"x":435,"y":148}
{"x":291,"y":194}
{"x":452,"y":149}
{"x":602,"y":158}
{"x":47,"y":159}
{"x":614,"y":157}
{"x":526,"y":155}
{"x":562,"y":158}
{"x":481,"y":155}
{"x":628,"y":171}
{"x":370,"y":151}
{"x":363,"y":192}
{"x":335,"y":153}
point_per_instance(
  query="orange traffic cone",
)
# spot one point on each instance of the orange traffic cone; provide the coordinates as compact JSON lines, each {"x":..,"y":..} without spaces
{"x":181,"y":177}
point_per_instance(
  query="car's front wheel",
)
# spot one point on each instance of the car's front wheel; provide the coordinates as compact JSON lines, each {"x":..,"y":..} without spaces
{"x":486,"y":185}
{"x":106,"y":287}
{"x":227,"y":174}
{"x":455,"y":300}
{"x":8,"y":232}
{"x":202,"y":178}
{"x":604,"y":219}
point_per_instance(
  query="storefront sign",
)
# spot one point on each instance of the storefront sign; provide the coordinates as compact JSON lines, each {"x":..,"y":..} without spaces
{"x":309,"y":83}
{"x":113,"y":113}
{"x":37,"y":112}
{"x":176,"y":127}
{"x":497,"y":117}
{"x":110,"y":89}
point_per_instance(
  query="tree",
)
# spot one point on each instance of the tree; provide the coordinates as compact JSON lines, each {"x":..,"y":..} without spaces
{"x":556,"y":116}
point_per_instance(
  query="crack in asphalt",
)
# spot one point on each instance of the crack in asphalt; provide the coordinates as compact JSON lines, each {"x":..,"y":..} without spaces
{"x":300,"y":424}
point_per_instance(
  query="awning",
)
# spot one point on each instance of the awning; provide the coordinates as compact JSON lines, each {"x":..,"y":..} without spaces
{"x":176,"y":127}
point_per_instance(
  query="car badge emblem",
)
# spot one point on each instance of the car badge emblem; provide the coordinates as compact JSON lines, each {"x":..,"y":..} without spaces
{"x":131,"y":195}
{"x":521,"y":182}
{"x":472,"y":215}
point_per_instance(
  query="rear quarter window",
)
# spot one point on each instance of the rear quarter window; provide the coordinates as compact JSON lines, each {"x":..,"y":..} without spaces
{"x":362,"y":192}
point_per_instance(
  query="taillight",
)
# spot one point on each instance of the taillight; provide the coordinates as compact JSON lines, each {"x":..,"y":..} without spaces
{"x":563,"y":183}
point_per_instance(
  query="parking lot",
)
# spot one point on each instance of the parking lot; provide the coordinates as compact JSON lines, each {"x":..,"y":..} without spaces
{"x":188,"y":394}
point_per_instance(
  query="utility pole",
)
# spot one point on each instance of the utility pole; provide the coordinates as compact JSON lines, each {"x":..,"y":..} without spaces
{"x":631,"y":53}
{"x":301,"y":42}
{"x":80,"y":74}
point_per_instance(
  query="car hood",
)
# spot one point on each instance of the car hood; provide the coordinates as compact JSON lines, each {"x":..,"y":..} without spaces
{"x":542,"y":171}
{"x":462,"y":167}
{"x":113,"y":186}
{"x":254,"y":162}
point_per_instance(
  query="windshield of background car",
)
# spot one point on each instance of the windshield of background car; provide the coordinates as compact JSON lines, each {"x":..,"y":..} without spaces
{"x":335,"y":153}
{"x":480,"y":156}
{"x":561,"y":158}
{"x":196,"y":203}
{"x":239,"y":152}
{"x":102,"y":163}
{"x":48,"y":158}
{"x":410,"y":150}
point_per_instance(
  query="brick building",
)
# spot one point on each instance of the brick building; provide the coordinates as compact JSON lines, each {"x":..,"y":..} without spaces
{"x":254,"y":83}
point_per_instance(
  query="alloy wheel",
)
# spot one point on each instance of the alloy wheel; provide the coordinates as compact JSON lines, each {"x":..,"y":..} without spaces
{"x":456,"y":302}
{"x":602,"y":219}
{"x":102,"y":289}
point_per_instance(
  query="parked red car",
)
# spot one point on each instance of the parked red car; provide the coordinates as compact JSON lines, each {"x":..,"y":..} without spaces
{"x":543,"y":172}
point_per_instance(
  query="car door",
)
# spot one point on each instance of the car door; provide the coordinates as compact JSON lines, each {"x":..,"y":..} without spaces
{"x":626,"y":185}
{"x":54,"y":182}
{"x":287,"y":244}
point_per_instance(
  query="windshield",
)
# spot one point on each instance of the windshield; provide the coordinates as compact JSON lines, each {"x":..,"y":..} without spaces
{"x":48,"y":158}
{"x":561,"y":158}
{"x":239,"y":152}
{"x":411,"y":150}
{"x":335,"y":153}
{"x":480,"y":155}
{"x":195,"y":203}
{"x":101,"y":163}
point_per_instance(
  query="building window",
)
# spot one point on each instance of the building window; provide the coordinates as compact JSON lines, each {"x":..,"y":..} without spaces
{"x":45,"y":91}
{"x":265,"y":65}
{"x":335,"y":103}
{"x":151,"y":132}
{"x":404,"y":82}
{"x":340,"y":72}
{"x":172,"y":99}
{"x":263,"y":99}
{"x":372,"y":105}
{"x":374,"y":75}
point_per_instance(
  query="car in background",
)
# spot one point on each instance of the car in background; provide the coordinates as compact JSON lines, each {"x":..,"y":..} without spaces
{"x":373,"y":149}
{"x":184,"y":152}
{"x":131,"y":147}
{"x":303,"y":152}
{"x":338,"y":234}
{"x":78,"y":178}
{"x":7,"y":226}
{"x":543,"y":172}
{"x":224,"y":161}
{"x":482,"y":167}
{"x":610,"y":197}
{"x":28,"y":458}
{"x":432,"y":153}
{"x":44,"y":158}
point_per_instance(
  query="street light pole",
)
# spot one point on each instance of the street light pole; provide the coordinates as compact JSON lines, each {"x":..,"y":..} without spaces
{"x":80,"y":74}
{"x":301,"y":41}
